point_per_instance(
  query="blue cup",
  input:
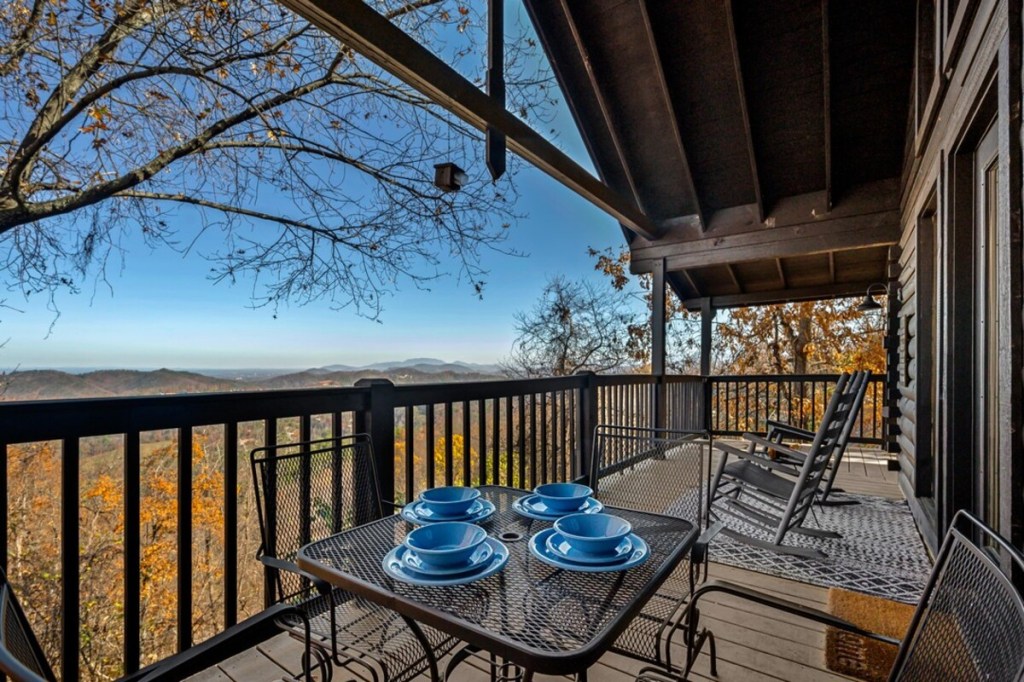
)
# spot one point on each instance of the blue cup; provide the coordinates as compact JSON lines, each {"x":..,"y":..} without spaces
{"x":563,"y":497}
{"x":446,"y":544}
{"x":449,"y":500}
{"x":593,"y":533}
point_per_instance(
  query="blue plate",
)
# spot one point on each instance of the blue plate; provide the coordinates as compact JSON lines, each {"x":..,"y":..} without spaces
{"x":533,"y":507}
{"x":416,"y":512}
{"x":559,"y":547}
{"x":412,"y":561}
{"x":395,"y":567}
{"x":539,"y":549}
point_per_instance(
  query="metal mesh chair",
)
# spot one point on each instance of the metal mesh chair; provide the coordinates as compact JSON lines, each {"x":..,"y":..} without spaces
{"x":969,"y":624}
{"x":765,"y":497}
{"x":308,"y":491}
{"x":779,"y":431}
{"x":660,"y":471}
{"x":21,"y":657}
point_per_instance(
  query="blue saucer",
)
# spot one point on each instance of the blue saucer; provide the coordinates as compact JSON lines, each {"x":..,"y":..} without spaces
{"x":394,"y":566}
{"x":559,"y":547}
{"x":532,"y":507}
{"x":539,"y":549}
{"x":416,"y":512}
{"x":480,"y":557}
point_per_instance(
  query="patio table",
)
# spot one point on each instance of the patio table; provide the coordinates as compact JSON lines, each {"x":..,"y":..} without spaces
{"x":543,"y":619}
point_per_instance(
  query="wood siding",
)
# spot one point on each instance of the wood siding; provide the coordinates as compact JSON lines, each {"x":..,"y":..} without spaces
{"x":969,"y":69}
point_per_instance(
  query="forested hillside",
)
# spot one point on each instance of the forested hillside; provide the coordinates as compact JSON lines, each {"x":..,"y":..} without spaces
{"x":55,"y":385}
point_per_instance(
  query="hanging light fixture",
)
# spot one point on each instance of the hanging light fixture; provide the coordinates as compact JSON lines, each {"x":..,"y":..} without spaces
{"x":869,"y":302}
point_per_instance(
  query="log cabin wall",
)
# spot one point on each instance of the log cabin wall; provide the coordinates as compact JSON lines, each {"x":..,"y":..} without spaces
{"x":967,"y":73}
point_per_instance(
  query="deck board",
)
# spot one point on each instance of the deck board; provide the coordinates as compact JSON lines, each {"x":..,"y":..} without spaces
{"x":755,"y":643}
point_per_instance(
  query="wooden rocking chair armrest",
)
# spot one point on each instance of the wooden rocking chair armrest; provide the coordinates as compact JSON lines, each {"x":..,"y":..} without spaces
{"x":760,"y":458}
{"x":729,"y":449}
{"x":786,"y":606}
{"x":793,"y":453}
{"x":322,"y":586}
{"x":787,"y":430}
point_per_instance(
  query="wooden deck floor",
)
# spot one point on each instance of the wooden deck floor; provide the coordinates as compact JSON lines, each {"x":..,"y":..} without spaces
{"x":754,"y":643}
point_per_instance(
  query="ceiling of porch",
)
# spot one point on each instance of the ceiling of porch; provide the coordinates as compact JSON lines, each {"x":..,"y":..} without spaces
{"x":765,"y":140}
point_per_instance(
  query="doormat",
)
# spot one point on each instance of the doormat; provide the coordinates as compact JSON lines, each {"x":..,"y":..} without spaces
{"x":880,"y":551}
{"x":862,"y":657}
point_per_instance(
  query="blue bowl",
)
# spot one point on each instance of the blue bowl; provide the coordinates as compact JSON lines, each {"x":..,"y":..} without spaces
{"x":449,"y":500}
{"x":563,"y":497}
{"x":445,"y":544}
{"x":593,"y":533}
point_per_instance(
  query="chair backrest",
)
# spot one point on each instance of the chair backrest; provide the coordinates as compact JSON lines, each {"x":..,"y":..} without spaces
{"x":21,"y":657}
{"x":838,"y":414}
{"x":652,"y":470}
{"x":863,"y":380}
{"x":819,"y":453}
{"x":969,"y":624}
{"x":308,"y":491}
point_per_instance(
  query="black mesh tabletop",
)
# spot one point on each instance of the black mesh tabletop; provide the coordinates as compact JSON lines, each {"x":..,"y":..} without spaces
{"x":547,"y":620}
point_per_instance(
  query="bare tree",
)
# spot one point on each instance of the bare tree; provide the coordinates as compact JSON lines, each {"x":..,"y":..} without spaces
{"x":175,"y":117}
{"x":574,"y":326}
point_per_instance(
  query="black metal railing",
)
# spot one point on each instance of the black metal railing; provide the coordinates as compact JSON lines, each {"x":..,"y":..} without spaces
{"x":516,"y":432}
{"x":745,"y":403}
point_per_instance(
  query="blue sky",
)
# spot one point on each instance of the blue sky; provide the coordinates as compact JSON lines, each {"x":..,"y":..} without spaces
{"x":162,"y":311}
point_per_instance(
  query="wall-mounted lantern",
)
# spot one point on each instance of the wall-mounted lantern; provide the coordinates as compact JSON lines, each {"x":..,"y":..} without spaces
{"x":869,"y":302}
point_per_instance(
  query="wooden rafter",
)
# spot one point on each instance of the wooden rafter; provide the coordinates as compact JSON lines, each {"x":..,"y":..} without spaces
{"x":782,"y":272}
{"x":602,"y":101}
{"x":359,"y":26}
{"x":742,"y":91}
{"x":693,"y":284}
{"x":677,"y":134}
{"x":735,"y":278}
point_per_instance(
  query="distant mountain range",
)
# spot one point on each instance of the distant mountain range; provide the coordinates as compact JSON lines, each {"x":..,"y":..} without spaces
{"x":49,"y":384}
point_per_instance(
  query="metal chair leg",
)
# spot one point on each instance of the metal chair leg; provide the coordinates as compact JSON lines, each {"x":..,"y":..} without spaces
{"x":461,"y":655}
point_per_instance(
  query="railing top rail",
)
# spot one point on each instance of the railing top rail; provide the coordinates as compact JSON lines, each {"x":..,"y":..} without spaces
{"x":784,"y":377}
{"x":36,"y":420}
{"x":407,"y":395}
{"x":635,"y":379}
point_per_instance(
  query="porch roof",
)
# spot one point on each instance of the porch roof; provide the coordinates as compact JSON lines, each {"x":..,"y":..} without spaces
{"x":764,"y":140}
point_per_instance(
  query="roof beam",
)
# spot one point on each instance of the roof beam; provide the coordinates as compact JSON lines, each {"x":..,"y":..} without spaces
{"x":832,"y":267}
{"x":826,"y":291}
{"x":742,"y":92}
{"x":826,"y":81}
{"x":836,"y":234}
{"x":359,"y":26}
{"x":782,"y":272}
{"x":602,"y":102}
{"x":677,"y":135}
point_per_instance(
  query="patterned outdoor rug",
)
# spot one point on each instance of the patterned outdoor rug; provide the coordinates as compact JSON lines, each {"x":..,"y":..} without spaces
{"x":880,"y":553}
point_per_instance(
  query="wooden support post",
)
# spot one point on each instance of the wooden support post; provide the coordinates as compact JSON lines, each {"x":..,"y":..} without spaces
{"x":587,"y":418}
{"x":658,"y":343}
{"x":378,"y":420}
{"x":707,"y":316}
